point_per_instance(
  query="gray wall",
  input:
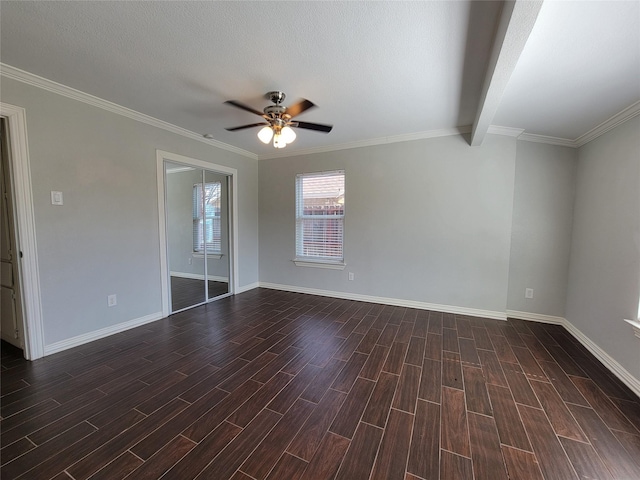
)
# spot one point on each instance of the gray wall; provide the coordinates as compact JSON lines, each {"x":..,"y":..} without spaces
{"x":542,"y":220}
{"x":179,"y":206}
{"x":427,"y":221}
{"x":104,"y":239}
{"x":604,"y":272}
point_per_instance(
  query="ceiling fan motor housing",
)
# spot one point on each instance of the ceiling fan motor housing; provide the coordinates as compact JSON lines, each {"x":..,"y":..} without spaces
{"x":276,"y":97}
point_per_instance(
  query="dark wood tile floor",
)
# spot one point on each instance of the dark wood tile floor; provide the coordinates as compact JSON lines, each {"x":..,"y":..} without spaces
{"x":275,"y":385}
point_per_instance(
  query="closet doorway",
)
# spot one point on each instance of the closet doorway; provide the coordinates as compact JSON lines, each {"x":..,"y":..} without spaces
{"x":197,"y":231}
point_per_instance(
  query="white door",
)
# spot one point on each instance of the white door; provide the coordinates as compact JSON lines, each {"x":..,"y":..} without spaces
{"x":11,"y":325}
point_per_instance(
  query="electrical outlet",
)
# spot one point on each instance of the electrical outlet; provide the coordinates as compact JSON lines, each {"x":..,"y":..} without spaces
{"x":528,"y":293}
{"x":351,"y":276}
{"x":112,"y":300}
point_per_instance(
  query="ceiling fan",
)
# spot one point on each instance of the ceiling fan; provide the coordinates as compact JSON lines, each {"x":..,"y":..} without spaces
{"x":278,"y":120}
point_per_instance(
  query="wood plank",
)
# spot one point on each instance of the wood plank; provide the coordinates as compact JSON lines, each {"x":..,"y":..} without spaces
{"x":451,"y":370}
{"x":557,"y":412}
{"x":119,"y":468}
{"x":392,"y":457}
{"x":251,"y":407}
{"x":502,"y":348}
{"x":519,"y":385}
{"x":349,"y":415}
{"x":475,"y":391}
{"x":24,"y":463}
{"x":424,"y":459}
{"x":415,"y":353}
{"x":521,"y":464}
{"x":454,"y":467}
{"x":308,"y":439}
{"x":316,"y":390}
{"x":348,"y":375}
{"x":288,"y":467}
{"x":450,"y":340}
{"x":379,"y":405}
{"x":165,"y":458}
{"x":326,"y":461}
{"x":565,"y":387}
{"x":508,"y":421}
{"x":407,"y":389}
{"x":404,"y":332}
{"x":395,"y":359}
{"x":617,"y":460}
{"x":492,"y":369}
{"x":373,"y":365}
{"x":585,"y":460}
{"x":464,"y":327}
{"x":529,"y":364}
{"x":485,"y":448}
{"x":604,"y":407}
{"x":199,"y":457}
{"x":481,"y":336}
{"x":430,"y":381}
{"x":264,"y":457}
{"x":468,"y":352}
{"x":361,"y":455}
{"x":433,"y":347}
{"x":235,"y":453}
{"x":300,"y":383}
{"x":552,"y":460}
{"x":368,"y":342}
{"x":387,"y":336}
{"x":454,"y":434}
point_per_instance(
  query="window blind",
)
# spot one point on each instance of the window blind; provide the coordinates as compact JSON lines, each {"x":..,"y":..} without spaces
{"x":320,"y":215}
{"x":206,"y":217}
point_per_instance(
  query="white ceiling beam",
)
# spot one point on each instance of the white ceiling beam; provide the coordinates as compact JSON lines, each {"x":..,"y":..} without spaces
{"x":516,"y":22}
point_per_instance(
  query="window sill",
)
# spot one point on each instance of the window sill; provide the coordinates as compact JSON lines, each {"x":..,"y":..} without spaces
{"x":635,"y":325}
{"x":319,"y":264}
{"x":215,"y":256}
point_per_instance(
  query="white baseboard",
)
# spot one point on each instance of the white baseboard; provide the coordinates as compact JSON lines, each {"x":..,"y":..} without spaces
{"x":473,"y":312}
{"x":98,"y":334}
{"x":535,"y":317}
{"x":197,"y":276}
{"x":606,"y":359}
{"x":246,"y":288}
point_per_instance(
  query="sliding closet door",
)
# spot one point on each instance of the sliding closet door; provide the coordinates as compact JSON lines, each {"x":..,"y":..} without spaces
{"x":217,"y":233}
{"x":184,"y":223}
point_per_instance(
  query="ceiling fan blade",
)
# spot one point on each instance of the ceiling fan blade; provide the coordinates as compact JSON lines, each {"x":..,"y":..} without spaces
{"x":297,"y":108}
{"x":318,"y":127}
{"x":242,"y":127}
{"x":242,"y":106}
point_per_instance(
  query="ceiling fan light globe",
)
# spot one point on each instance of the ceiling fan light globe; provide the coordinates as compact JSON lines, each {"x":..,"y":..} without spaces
{"x":265,"y":134}
{"x":288,"y":134}
{"x":278,"y":141}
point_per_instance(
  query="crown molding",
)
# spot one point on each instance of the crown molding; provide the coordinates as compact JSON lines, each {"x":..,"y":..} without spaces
{"x":620,"y":117}
{"x":445,"y":132}
{"x":563,"y":142}
{"x":506,"y":131}
{"x":13,"y":73}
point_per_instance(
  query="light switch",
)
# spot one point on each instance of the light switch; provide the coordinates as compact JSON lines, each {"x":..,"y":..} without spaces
{"x":56,"y":198}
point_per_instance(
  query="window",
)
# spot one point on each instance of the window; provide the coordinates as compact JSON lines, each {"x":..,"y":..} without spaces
{"x":320,"y":216}
{"x":206,"y":217}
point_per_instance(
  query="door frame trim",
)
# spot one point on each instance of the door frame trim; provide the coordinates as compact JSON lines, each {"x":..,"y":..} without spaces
{"x":161,"y":156}
{"x":25,"y":227}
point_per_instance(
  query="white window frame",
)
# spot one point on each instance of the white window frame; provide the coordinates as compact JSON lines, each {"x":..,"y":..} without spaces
{"x":300,"y":260}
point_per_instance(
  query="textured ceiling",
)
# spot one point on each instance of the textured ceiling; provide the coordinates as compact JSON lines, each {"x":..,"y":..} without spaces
{"x":375,"y":69}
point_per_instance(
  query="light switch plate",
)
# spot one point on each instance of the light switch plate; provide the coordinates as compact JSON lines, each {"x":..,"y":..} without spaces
{"x":56,"y":198}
